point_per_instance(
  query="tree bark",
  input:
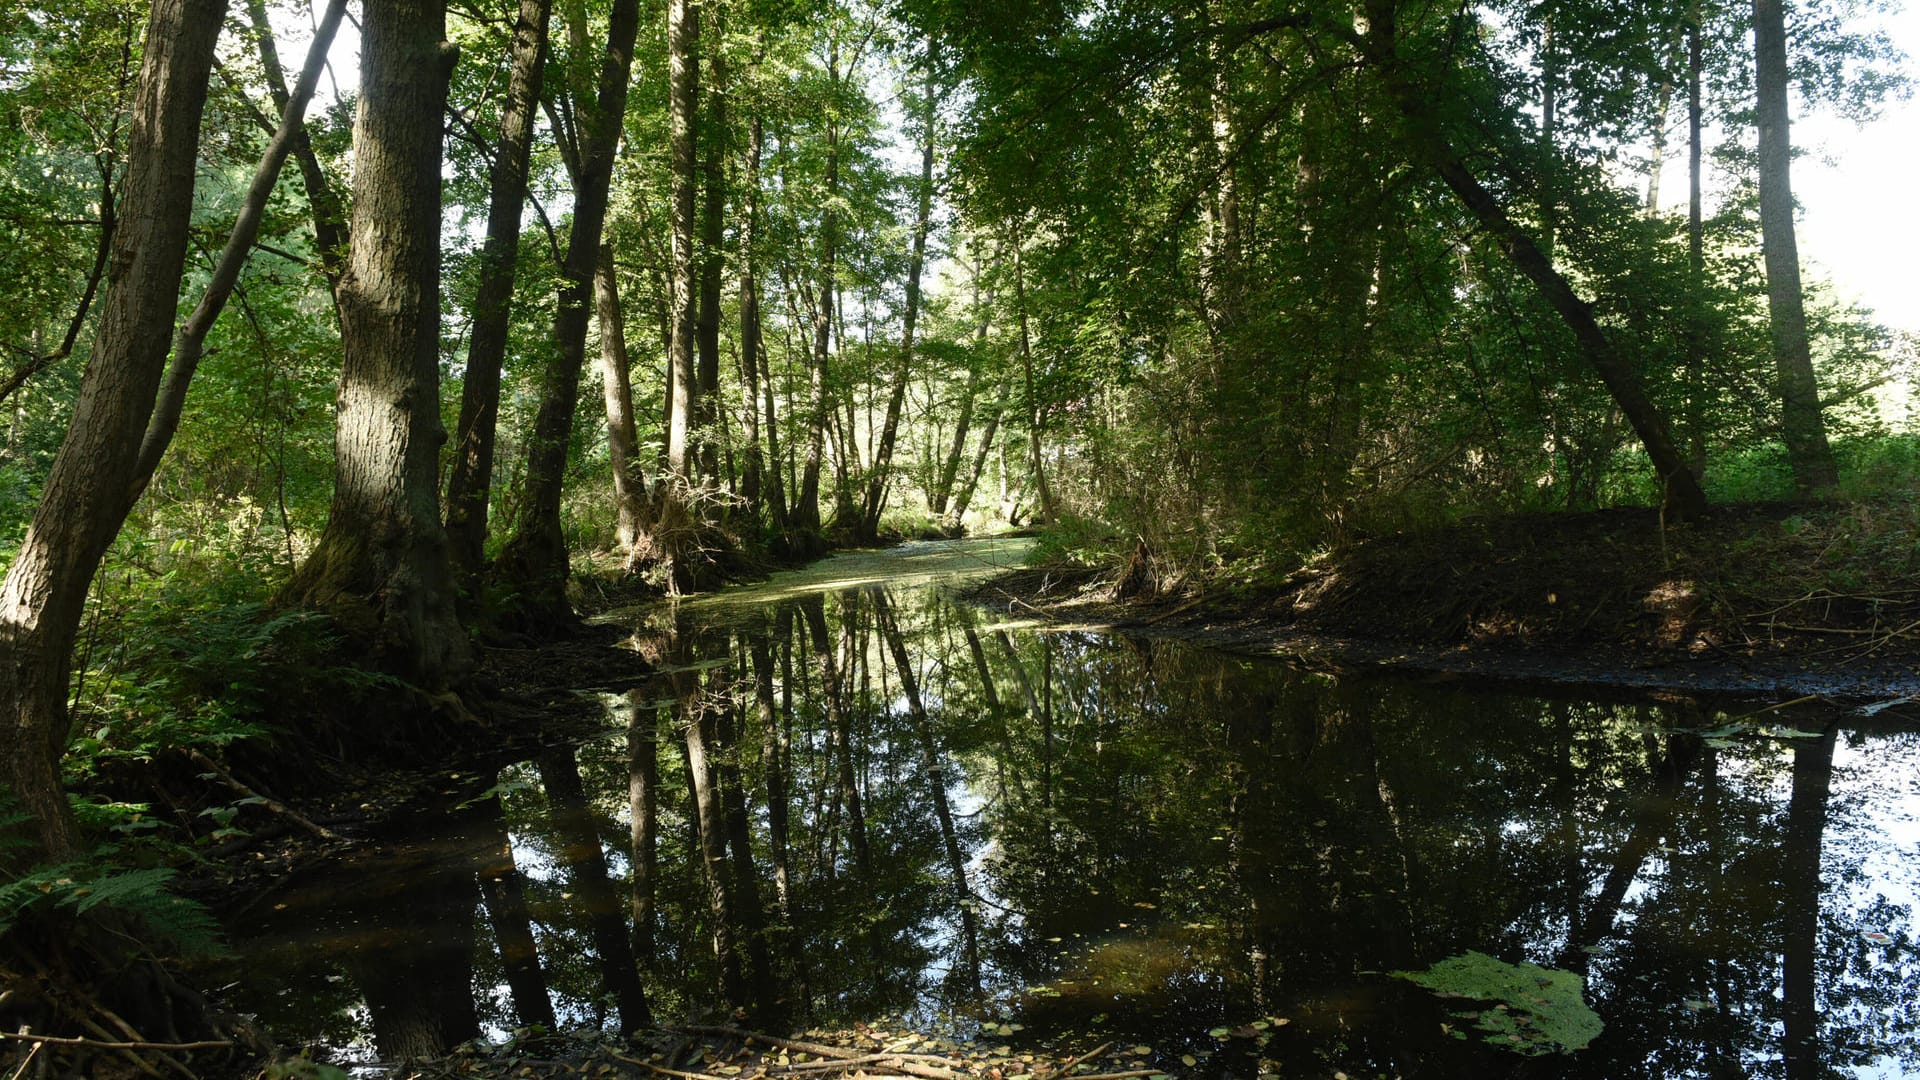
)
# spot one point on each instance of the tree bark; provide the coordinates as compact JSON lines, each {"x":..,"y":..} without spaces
{"x":381,"y":566}
{"x":470,"y":480}
{"x":643,"y":798}
{"x":957,"y":511}
{"x":82,"y":502}
{"x":1801,"y":426}
{"x":533,"y":562}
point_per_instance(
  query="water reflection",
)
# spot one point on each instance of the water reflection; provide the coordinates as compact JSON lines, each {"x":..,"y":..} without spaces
{"x":847,"y":803}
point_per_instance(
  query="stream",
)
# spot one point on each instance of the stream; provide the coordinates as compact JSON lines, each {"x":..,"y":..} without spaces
{"x":873,"y":803}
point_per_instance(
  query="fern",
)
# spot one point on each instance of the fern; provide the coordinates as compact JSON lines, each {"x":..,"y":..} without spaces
{"x":186,"y":928}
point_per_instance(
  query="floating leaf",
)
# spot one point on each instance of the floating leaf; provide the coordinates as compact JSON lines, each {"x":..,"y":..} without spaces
{"x":1218,"y":1033}
{"x":1537,"y":1010}
{"x":1189,"y":1060}
{"x":1877,"y":937}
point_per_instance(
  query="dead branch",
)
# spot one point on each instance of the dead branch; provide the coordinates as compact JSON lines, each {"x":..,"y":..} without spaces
{"x":274,"y":805}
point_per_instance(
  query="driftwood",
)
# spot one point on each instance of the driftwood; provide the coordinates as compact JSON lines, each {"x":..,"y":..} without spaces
{"x":902,"y":1063}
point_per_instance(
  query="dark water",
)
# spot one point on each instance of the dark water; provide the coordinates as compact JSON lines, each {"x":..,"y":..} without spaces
{"x":918,"y":813}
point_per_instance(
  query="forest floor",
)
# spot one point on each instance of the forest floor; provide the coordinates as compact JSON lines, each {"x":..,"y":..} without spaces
{"x":1778,"y":599}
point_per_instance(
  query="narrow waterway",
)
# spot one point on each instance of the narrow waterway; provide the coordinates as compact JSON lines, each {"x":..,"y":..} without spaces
{"x":846,"y":797}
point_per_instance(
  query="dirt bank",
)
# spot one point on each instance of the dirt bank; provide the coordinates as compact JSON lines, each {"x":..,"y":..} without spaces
{"x":1775,"y":600}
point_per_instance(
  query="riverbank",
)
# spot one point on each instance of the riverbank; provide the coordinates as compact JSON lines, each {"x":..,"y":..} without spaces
{"x":1771,"y":600}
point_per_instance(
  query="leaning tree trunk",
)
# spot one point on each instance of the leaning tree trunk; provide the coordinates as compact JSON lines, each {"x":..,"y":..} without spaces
{"x":84,"y":499}
{"x":1421,"y":123}
{"x":1801,"y":427}
{"x":381,"y":566}
{"x":471,"y":478}
{"x":683,"y":103}
{"x":533,"y":562}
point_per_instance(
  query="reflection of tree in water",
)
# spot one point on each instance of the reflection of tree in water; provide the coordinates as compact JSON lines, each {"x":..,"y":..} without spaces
{"x":844,"y":806}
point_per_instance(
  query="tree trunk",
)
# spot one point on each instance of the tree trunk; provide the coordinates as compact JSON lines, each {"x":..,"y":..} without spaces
{"x":503,"y":893}
{"x":581,"y":850}
{"x":329,"y":217}
{"x":83,"y":500}
{"x":643,"y":798}
{"x":633,"y":521}
{"x":1035,"y":460}
{"x":922,"y":222}
{"x":683,"y":105}
{"x":470,"y":480}
{"x":1800,"y":424}
{"x":957,"y":512}
{"x":1696,"y":265}
{"x":533,"y":563}
{"x":1800,"y":905}
{"x":713,"y":139}
{"x":933,"y":763}
{"x":1422,"y":127}
{"x":805,"y":516}
{"x":381,"y":566}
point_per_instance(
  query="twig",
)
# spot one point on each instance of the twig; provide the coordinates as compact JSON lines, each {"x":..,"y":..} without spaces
{"x":274,"y":805}
{"x":662,"y":1069}
{"x":1088,"y":1056}
{"x":99,"y":1044}
{"x":31,"y":1054}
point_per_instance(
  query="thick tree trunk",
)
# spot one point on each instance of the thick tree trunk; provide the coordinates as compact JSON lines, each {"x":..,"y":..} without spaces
{"x":533,"y":563}
{"x":1422,"y":126}
{"x":470,"y":480}
{"x":83,"y":500}
{"x":633,"y":523}
{"x":381,"y":567}
{"x":1800,"y":424}
{"x":889,"y":431}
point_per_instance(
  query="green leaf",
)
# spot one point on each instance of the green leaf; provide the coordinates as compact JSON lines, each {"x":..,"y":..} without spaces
{"x":1538,"y":1010}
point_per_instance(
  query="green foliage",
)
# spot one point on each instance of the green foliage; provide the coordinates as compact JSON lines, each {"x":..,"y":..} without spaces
{"x":1537,"y":1010}
{"x":110,"y":877}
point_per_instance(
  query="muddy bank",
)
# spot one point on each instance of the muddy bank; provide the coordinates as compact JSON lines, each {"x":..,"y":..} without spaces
{"x":1777,"y":600}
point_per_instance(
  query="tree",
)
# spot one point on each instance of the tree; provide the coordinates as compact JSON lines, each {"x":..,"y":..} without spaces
{"x":86,"y":498}
{"x":381,"y":566}
{"x":533,"y":562}
{"x":1800,"y":423}
{"x":470,"y":479}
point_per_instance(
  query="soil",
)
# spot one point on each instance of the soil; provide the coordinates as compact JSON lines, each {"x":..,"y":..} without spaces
{"x":1774,"y":600}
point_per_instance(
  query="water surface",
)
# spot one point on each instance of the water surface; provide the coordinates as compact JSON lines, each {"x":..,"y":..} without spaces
{"x":871,"y":803}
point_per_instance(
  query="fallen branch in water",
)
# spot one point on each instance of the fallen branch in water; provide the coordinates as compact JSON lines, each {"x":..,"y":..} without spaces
{"x":274,"y":805}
